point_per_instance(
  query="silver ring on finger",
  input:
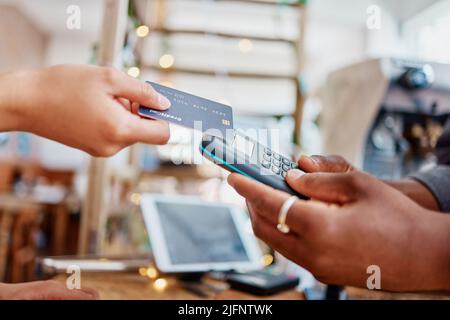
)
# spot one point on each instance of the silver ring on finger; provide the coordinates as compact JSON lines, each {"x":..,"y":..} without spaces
{"x":282,"y":215}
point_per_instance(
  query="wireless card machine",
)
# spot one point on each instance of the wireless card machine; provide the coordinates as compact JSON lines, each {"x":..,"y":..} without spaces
{"x":239,"y":153}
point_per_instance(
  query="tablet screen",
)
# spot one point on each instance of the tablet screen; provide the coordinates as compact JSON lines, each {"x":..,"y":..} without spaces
{"x":197,"y":233}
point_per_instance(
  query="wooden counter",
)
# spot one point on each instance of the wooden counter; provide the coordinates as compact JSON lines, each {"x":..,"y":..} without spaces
{"x":134,"y":286}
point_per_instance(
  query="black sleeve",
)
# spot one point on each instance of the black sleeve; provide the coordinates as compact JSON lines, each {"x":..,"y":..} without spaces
{"x":437,"y":179}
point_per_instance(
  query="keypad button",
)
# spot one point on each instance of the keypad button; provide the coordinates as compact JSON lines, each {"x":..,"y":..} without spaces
{"x":268,"y":151}
{"x":266,"y":164}
{"x":286,"y":168}
{"x":277,"y":156}
{"x":294,"y":165}
{"x":286,"y":162}
{"x":276,"y":170}
{"x":284,"y":174}
{"x":266,"y":157}
{"x":276,"y":162}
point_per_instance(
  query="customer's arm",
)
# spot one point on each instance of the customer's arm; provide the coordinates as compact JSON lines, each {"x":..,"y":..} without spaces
{"x":419,"y":187}
{"x":44,"y":290}
{"x":86,"y":107}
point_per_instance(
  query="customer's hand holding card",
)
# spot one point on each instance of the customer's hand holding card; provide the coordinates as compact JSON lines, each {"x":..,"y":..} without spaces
{"x":191,"y":111}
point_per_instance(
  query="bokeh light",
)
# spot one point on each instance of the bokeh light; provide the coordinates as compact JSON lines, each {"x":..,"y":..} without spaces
{"x":166,"y":61}
{"x":142,"y":31}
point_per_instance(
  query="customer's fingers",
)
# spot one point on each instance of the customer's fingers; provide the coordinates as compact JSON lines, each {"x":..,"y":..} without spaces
{"x":146,"y":131}
{"x":66,"y":294}
{"x":134,"y":107}
{"x":317,"y":163}
{"x":134,"y":90}
{"x":91,"y":291}
{"x":125,"y":103}
{"x":54,"y":290}
{"x":329,"y":187}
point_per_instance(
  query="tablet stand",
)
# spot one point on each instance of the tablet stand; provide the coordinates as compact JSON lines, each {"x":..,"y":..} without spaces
{"x":191,"y":276}
{"x":193,"y":282}
{"x":331,"y":292}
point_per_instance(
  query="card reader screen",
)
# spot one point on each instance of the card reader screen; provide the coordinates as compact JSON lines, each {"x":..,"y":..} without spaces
{"x":243,"y":146}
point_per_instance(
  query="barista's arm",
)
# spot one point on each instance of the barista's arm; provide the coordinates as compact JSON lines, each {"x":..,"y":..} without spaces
{"x":422,"y":188}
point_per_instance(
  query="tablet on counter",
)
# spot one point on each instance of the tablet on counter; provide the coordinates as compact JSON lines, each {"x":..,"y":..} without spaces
{"x":188,"y":234}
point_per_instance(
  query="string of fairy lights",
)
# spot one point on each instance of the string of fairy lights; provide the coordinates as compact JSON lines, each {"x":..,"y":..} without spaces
{"x":138,"y":32}
{"x":166,"y":60}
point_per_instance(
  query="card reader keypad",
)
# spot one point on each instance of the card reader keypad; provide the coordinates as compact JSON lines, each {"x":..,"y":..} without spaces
{"x":278,"y":164}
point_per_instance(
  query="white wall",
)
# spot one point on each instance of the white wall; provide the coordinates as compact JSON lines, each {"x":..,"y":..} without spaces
{"x":386,"y":41}
{"x":331,"y":44}
{"x":63,"y":49}
{"x":21,"y":45}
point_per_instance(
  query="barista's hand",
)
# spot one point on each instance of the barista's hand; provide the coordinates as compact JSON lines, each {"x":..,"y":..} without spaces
{"x":44,"y":290}
{"x":86,"y":107}
{"x":409,"y":187}
{"x":357,"y":221}
{"x":318,"y":163}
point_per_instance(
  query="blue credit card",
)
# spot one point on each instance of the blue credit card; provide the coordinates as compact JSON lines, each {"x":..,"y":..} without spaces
{"x":191,"y":111}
